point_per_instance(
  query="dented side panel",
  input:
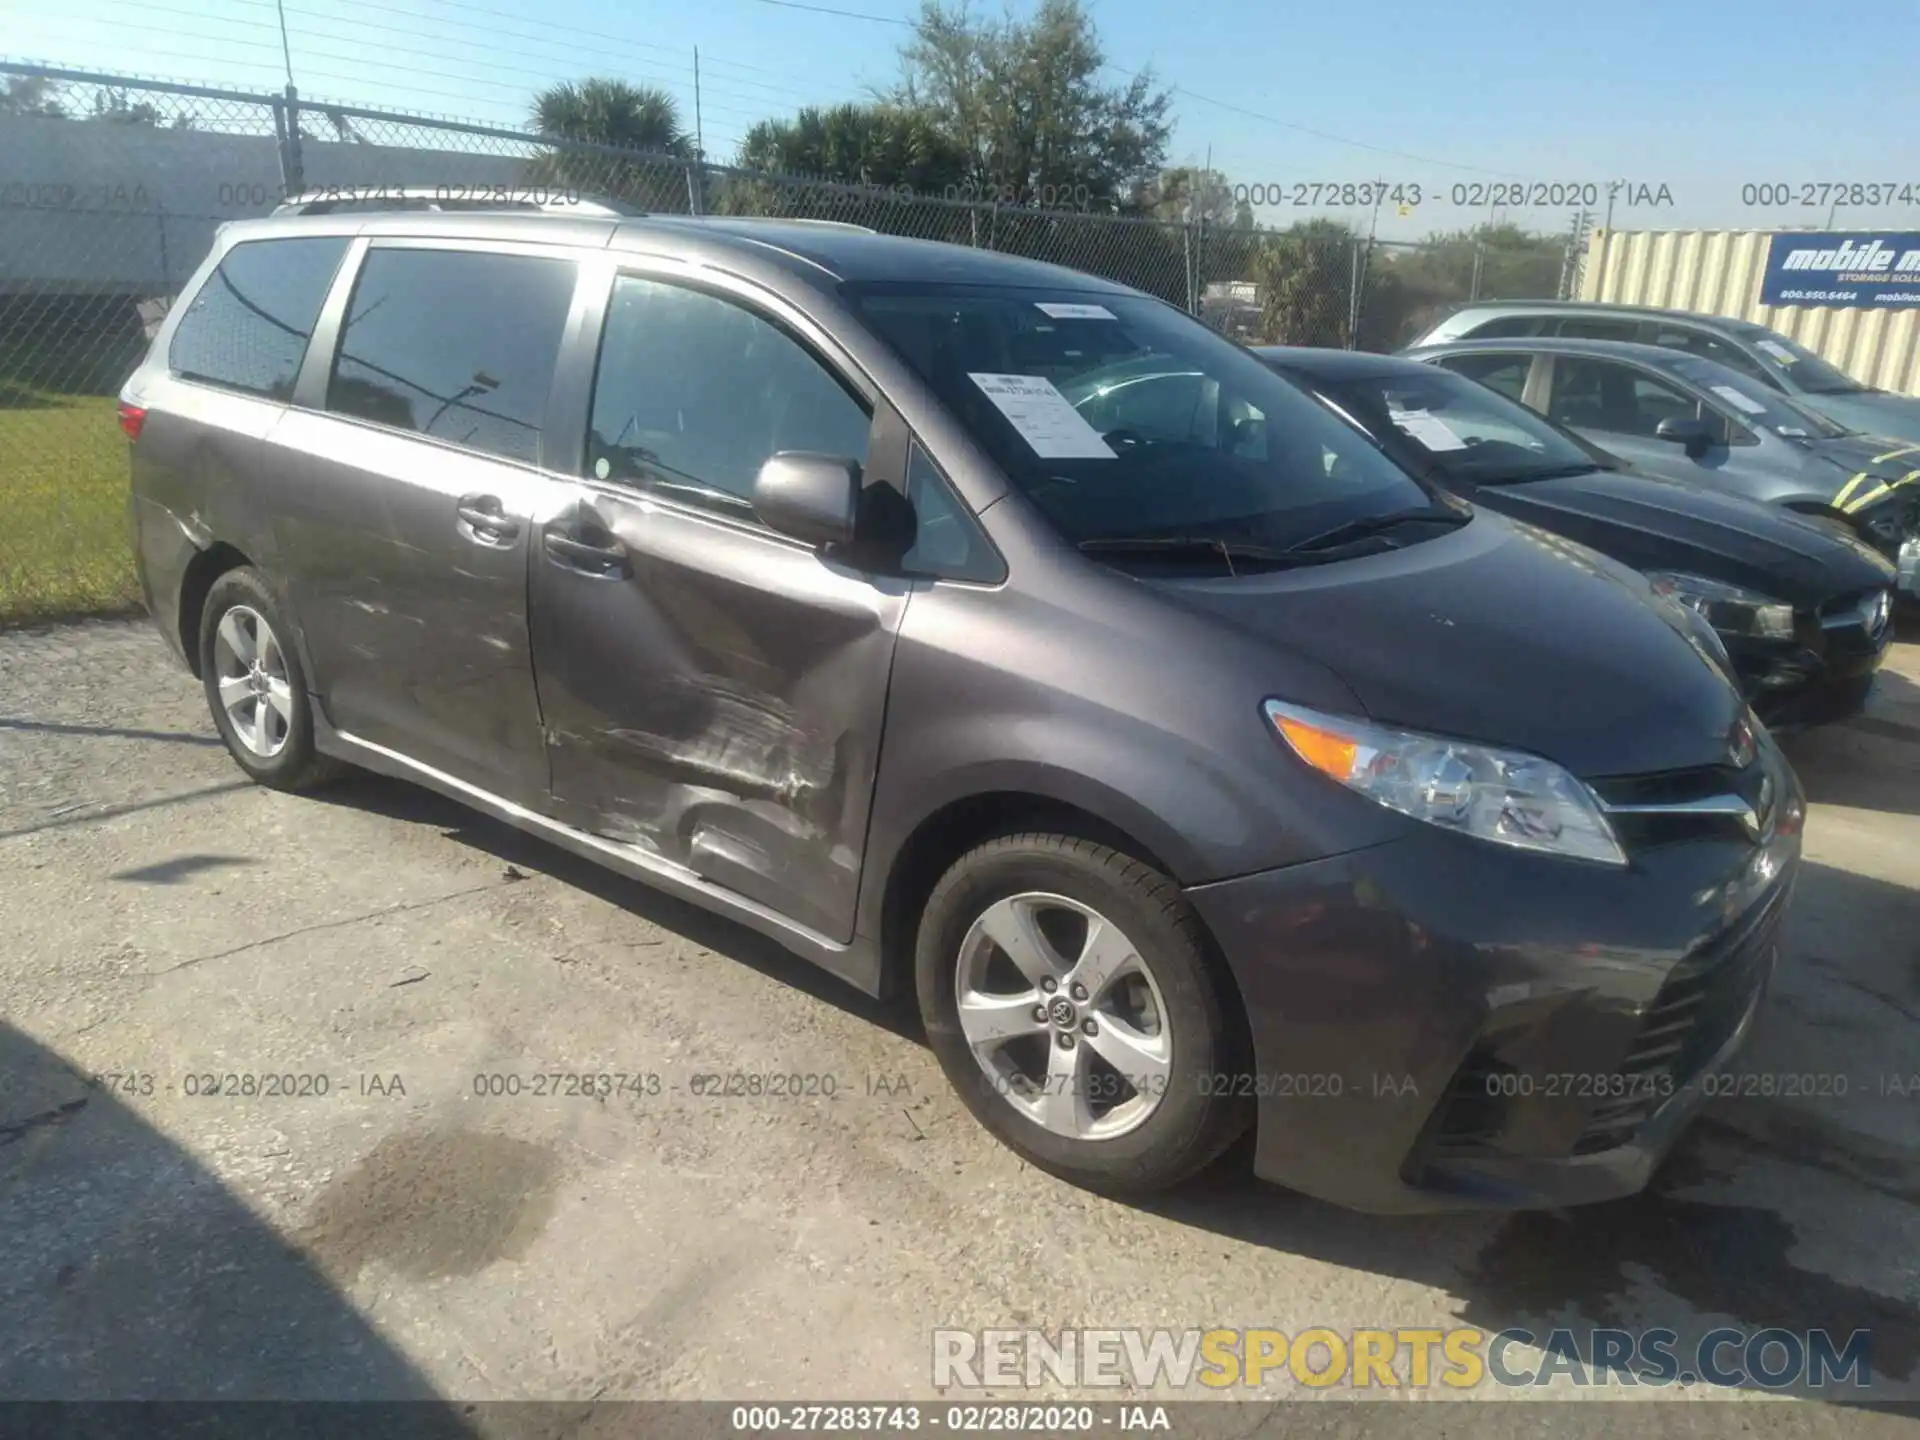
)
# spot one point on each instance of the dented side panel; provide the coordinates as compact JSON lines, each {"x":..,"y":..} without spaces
{"x":719,"y":702}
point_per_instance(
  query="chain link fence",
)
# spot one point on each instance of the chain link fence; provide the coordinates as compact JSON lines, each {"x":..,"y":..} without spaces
{"x":114,"y":188}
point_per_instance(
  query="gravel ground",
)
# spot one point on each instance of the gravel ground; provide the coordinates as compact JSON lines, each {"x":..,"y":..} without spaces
{"x":402,"y":1236}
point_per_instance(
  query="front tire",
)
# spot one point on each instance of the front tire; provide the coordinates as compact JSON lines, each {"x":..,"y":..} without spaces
{"x":1068,"y":993}
{"x":255,"y":686}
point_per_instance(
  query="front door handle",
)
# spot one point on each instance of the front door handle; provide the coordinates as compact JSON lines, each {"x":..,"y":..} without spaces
{"x":484,"y":519}
{"x":572,"y":554}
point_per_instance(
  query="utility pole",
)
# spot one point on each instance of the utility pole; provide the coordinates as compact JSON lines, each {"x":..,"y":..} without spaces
{"x":699,"y":137}
{"x":286,"y":51}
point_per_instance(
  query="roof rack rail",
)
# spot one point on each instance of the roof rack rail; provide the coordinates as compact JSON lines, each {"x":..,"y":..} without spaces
{"x":846,"y":225}
{"x":535,"y":200}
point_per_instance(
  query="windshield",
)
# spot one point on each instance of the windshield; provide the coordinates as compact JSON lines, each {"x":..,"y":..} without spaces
{"x":1796,"y":364}
{"x":1119,"y":417}
{"x":1754,"y":404}
{"x":1459,"y":429}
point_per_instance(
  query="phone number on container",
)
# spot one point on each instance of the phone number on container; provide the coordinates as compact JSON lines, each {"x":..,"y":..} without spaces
{"x":1040,"y":1419}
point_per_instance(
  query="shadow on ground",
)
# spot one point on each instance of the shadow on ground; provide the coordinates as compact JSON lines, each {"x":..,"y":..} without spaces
{"x":1733,"y":1255}
{"x":401,"y":801}
{"x":130,"y":1272}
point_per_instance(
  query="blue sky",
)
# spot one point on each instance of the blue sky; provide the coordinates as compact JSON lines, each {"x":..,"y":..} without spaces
{"x":1701,"y":97}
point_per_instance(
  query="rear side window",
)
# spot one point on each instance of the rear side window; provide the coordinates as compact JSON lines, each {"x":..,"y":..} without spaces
{"x":1504,"y":328}
{"x":1582,"y":329}
{"x":456,"y":344}
{"x":247,"y":328}
{"x":1505,"y":373}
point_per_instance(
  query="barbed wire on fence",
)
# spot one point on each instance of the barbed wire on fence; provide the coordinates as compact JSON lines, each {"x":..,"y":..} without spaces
{"x":115,"y":187}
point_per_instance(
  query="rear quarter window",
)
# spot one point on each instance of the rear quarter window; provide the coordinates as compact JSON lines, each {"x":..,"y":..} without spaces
{"x":247,"y":327}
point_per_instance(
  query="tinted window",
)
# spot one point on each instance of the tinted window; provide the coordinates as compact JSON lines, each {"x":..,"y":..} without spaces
{"x":694,"y":393}
{"x":1784,"y":360}
{"x":1506,"y":326}
{"x":1464,"y":430}
{"x":248,"y":327}
{"x":1755,"y":404}
{"x":946,"y":540}
{"x":1577,"y":328}
{"x":1708,"y":347}
{"x":1125,"y":419}
{"x":1603,"y":395}
{"x":1505,"y":373}
{"x":457,"y":344}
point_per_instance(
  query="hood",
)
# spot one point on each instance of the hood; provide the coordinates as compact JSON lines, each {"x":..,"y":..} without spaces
{"x":1887,"y":414}
{"x":1654,"y":524}
{"x":1501,"y":633}
{"x":1857,"y":465}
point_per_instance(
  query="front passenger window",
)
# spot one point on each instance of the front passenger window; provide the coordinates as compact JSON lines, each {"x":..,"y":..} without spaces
{"x":694,"y":393}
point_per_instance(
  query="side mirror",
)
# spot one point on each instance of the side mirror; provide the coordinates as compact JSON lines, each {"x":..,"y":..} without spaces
{"x":811,"y":498}
{"x":1693,"y":433}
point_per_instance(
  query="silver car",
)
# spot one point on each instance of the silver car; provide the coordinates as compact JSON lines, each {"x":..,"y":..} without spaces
{"x":1782,"y":365}
{"x":1685,"y":418}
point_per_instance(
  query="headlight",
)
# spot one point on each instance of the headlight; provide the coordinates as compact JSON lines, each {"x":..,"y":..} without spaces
{"x":1728,"y":608}
{"x":1498,"y":795}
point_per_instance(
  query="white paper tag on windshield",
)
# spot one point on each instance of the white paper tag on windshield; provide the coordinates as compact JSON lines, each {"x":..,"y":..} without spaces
{"x":1075,"y":312}
{"x":1778,"y":351}
{"x":1433,"y":433}
{"x":1739,"y":399}
{"x":1044,"y":417}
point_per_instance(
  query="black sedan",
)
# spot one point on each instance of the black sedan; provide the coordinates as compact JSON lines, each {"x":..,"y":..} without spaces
{"x":1802,"y":607}
{"x":1687,"y":418}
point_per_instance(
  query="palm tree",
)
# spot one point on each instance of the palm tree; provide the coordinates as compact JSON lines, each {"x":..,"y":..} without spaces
{"x":601,"y":112}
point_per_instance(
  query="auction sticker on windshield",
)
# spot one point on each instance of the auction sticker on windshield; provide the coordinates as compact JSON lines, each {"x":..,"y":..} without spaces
{"x":1429,"y":431}
{"x":1777,"y":351}
{"x":1074,"y":312}
{"x":1044,"y":417}
{"x":1740,"y":399}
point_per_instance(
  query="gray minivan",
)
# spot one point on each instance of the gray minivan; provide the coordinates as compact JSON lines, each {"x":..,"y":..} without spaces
{"x":1196,"y":767}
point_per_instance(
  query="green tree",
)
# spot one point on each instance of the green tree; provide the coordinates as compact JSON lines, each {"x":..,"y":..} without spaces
{"x":880,"y":145}
{"x":1488,"y":261}
{"x":1305,"y":275}
{"x":30,"y":95}
{"x":1024,"y":102}
{"x":638,"y":119}
{"x":113,"y":107}
{"x":1188,"y":192}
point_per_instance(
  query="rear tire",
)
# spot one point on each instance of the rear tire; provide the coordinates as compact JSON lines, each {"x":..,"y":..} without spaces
{"x":255,"y":687}
{"x":1100,"y":1051}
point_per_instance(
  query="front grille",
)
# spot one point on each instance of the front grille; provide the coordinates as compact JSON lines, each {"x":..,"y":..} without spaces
{"x":1858,"y":623}
{"x":1697,"y":1009}
{"x":1647,"y":830}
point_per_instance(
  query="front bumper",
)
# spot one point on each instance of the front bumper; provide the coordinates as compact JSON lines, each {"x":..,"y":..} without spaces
{"x":1443,"y":1024}
{"x":1823,"y":675}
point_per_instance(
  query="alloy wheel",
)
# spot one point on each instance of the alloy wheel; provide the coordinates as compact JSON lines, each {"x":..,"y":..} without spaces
{"x":251,"y":670}
{"x":1064,"y":1016}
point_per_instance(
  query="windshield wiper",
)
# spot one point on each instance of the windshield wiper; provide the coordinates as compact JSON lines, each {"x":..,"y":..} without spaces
{"x":1192,"y":546}
{"x":1370,"y":525}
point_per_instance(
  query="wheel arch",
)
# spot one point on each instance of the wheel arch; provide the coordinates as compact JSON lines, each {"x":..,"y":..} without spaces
{"x":961,"y":822}
{"x":195,"y":585}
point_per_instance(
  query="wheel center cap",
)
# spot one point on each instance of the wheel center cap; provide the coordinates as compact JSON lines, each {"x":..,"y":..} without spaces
{"x":1061,"y":1012}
